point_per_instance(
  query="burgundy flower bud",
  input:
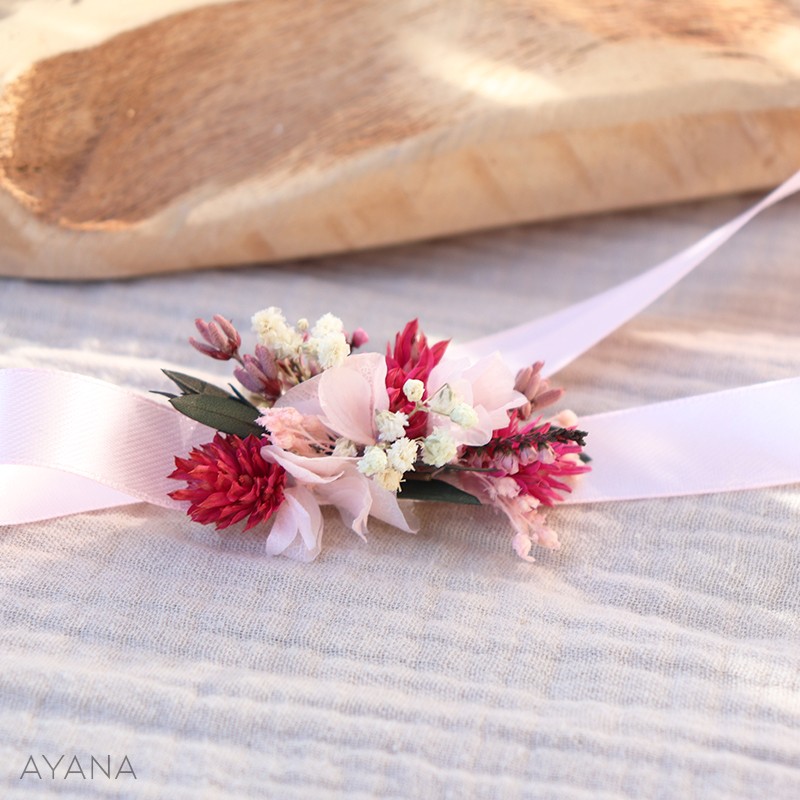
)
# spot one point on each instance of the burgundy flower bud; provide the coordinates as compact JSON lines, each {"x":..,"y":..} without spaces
{"x":528,"y":380}
{"x":358,"y":338}
{"x":546,"y":398}
{"x":207,"y":350}
{"x":231,"y":334}
{"x":223,"y":339}
{"x":260,"y":373}
{"x":267,"y":362}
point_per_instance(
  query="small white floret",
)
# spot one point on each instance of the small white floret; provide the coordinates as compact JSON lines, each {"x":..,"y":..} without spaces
{"x":391,"y":425}
{"x":439,"y":448}
{"x":345,"y":448}
{"x":390,"y":479}
{"x":373,"y":461}
{"x":413,"y":390}
{"x":326,"y":325}
{"x":464,"y":415}
{"x":443,"y":401}
{"x":331,"y":350}
{"x":402,"y":454}
{"x":273,"y":331}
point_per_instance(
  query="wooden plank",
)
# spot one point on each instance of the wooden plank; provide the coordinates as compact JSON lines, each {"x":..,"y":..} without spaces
{"x":135,"y":140}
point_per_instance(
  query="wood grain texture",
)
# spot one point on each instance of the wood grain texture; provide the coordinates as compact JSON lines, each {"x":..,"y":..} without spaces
{"x":267,"y":129}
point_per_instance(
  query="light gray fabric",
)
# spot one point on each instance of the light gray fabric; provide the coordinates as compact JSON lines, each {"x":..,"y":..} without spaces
{"x":656,"y":655}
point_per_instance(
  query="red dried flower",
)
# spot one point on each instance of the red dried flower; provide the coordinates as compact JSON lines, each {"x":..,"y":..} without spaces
{"x":229,"y":480}
{"x":538,"y":456}
{"x":411,"y":358}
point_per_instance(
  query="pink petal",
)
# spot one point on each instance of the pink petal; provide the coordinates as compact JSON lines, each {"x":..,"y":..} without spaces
{"x":308,"y":515}
{"x":493,"y":388}
{"x":522,"y":546}
{"x":446,"y":371}
{"x":304,"y":397}
{"x":297,"y":530}
{"x":352,"y":498}
{"x":385,"y":508}
{"x":304,"y":469}
{"x":283,"y":531}
{"x":350,"y":394}
{"x":481,"y":432}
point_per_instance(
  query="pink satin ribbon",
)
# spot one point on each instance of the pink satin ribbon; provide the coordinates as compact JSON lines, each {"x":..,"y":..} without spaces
{"x":559,"y":338}
{"x":71,"y":444}
{"x":714,"y":442}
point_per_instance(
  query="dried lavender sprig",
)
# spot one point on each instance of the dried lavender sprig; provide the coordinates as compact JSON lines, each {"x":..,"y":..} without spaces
{"x":539,"y":439}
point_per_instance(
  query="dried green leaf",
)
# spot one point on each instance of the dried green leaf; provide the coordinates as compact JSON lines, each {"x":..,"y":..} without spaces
{"x":191,"y":385}
{"x":436,"y":492}
{"x":242,"y":398}
{"x":225,"y":414}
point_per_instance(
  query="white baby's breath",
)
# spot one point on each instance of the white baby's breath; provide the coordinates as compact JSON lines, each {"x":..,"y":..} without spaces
{"x":344,"y":448}
{"x":273,"y":331}
{"x":464,"y":415}
{"x":326,"y":325}
{"x":327,"y":342}
{"x":373,"y":461}
{"x":331,"y":350}
{"x":438,"y":448}
{"x":402,"y":454}
{"x":390,"y":479}
{"x":391,"y":425}
{"x":413,"y":390}
{"x":443,"y":401}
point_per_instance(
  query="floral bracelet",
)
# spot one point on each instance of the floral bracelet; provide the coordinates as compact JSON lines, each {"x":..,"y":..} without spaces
{"x":318,"y":425}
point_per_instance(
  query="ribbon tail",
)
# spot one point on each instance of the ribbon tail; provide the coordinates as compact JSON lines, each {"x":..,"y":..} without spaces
{"x":69,"y":444}
{"x":30,"y":494}
{"x":559,"y":338}
{"x":744,"y":438}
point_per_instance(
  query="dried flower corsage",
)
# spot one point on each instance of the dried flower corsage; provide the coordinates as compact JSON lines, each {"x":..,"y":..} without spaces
{"x":321,"y":426}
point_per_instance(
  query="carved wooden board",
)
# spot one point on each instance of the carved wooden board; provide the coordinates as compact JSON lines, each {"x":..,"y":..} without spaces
{"x":175,"y":134}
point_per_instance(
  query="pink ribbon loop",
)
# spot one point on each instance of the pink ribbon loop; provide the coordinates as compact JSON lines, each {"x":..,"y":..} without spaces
{"x":71,"y":443}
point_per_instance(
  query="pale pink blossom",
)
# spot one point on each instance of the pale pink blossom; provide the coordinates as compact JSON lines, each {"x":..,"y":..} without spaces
{"x":523,"y":510}
{"x":289,"y":429}
{"x":345,"y":398}
{"x":487,"y":386}
{"x":312,"y":482}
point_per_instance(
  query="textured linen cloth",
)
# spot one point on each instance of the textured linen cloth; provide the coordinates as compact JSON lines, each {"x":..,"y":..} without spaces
{"x":656,"y":655}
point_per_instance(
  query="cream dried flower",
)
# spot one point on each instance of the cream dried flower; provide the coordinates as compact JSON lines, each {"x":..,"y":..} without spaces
{"x":373,"y":461}
{"x":326,"y":325}
{"x":402,"y":454}
{"x":344,"y":448}
{"x":391,"y":425}
{"x":389,"y":479}
{"x":443,"y":401}
{"x":464,"y":414}
{"x":331,"y":351}
{"x":413,"y":389}
{"x":438,"y":448}
{"x":275,"y":333}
